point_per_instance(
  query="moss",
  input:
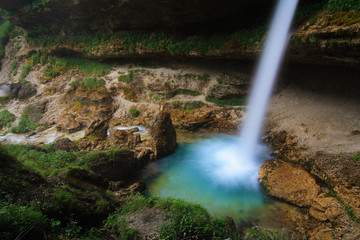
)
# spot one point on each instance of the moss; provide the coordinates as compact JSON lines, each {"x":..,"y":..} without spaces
{"x":223,"y":102}
{"x":130,"y":94}
{"x":87,"y":66}
{"x":14,"y":67}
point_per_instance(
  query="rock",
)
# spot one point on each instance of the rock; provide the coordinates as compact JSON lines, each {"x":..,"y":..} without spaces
{"x":19,"y":90}
{"x":116,"y":185}
{"x":69,"y":124}
{"x":118,"y":165}
{"x":325,"y":209}
{"x":121,"y":138}
{"x":35,"y":111}
{"x":163,"y":135}
{"x":65,"y":144}
{"x":98,"y":129}
{"x":292,"y":184}
{"x":77,"y":176}
{"x":194,"y":125}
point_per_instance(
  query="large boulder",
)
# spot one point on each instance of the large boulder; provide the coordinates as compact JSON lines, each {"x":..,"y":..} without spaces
{"x":19,"y":90}
{"x":69,"y":124}
{"x":116,"y":165}
{"x":121,"y":138}
{"x":292,"y":184}
{"x":163,"y":135}
{"x":98,"y":128}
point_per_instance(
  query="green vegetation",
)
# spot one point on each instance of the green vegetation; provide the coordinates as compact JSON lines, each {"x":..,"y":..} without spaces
{"x":357,"y":157}
{"x":223,"y":102}
{"x":51,"y":72}
{"x":6,"y":118}
{"x":14,"y":67}
{"x":187,"y":221}
{"x":134,"y":112}
{"x":25,"y":125}
{"x":269,"y":234}
{"x":127,"y":78}
{"x":24,"y":72}
{"x":188,"y":92}
{"x":155,"y":97}
{"x":38,"y":5}
{"x":5,"y":29}
{"x":87,"y":66}
{"x":247,"y":37}
{"x":17,"y":220}
{"x":177,"y":104}
{"x":90,"y":83}
{"x":343,"y":5}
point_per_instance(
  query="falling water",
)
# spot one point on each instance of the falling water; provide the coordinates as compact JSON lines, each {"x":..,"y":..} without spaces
{"x":221,"y":172}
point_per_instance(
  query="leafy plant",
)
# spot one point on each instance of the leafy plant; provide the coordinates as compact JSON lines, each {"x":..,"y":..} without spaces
{"x":6,"y":118}
{"x":134,"y":112}
{"x":357,"y":157}
{"x":51,"y":72}
{"x":343,"y":5}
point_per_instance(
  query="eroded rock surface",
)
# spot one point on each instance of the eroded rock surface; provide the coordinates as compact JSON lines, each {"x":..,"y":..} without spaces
{"x":163,"y":135}
{"x":293,"y":184}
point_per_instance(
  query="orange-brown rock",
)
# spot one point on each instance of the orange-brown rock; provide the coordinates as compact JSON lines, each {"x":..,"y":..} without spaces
{"x":69,"y":124}
{"x":293,"y":184}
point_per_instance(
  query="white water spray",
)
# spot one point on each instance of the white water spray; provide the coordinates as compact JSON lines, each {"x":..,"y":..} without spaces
{"x":240,"y":164}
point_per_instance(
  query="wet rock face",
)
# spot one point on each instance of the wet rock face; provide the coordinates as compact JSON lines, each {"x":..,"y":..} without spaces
{"x":76,"y":16}
{"x":163,"y":135}
{"x":292,"y":184}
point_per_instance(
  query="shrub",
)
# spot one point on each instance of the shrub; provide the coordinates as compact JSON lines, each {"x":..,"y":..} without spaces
{"x":25,"y":125}
{"x":134,"y":112}
{"x":51,"y":72}
{"x":6,"y":118}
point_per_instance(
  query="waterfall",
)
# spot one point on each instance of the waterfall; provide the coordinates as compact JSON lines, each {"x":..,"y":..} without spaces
{"x":266,"y":73}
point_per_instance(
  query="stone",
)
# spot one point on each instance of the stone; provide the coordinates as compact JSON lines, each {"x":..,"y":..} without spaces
{"x":119,"y":165}
{"x":163,"y":135}
{"x":26,"y":92}
{"x":77,"y":176}
{"x":292,"y":184}
{"x":65,"y":144}
{"x":69,"y":124}
{"x":98,"y":129}
{"x":121,"y":138}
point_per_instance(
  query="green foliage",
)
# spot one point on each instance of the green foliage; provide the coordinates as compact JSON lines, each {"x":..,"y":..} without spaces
{"x":126,"y":78}
{"x":343,"y":5}
{"x":90,"y":83}
{"x":5,"y":29}
{"x":177,"y":104}
{"x":25,"y":125}
{"x":223,"y":102}
{"x":6,"y":118}
{"x":51,"y":72}
{"x":34,"y":59}
{"x":188,"y":92}
{"x":38,"y":5}
{"x":24,"y":72}
{"x":357,"y":157}
{"x":16,"y":220}
{"x":14,"y":67}
{"x":257,"y":233}
{"x":117,"y":223}
{"x":134,"y":112}
{"x":313,"y":39}
{"x":204,"y":77}
{"x":247,"y":37}
{"x":87,"y":66}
